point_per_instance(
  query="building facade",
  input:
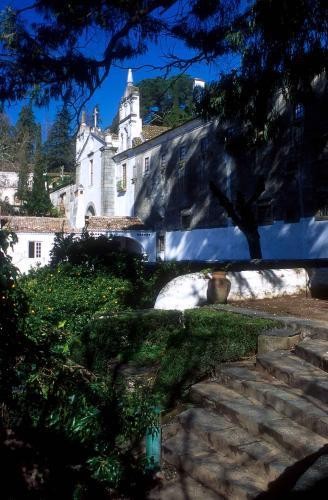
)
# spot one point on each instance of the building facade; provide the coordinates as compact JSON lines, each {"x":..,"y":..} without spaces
{"x":162,"y":177}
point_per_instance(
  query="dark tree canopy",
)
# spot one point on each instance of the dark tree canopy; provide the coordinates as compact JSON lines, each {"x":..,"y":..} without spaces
{"x":164,"y":101}
{"x":279,"y":47}
{"x":57,"y":49}
{"x":54,"y":49}
{"x":167,"y":101}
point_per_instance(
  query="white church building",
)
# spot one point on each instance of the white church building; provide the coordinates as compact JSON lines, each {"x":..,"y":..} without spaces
{"x":148,"y":185}
{"x":157,"y":178}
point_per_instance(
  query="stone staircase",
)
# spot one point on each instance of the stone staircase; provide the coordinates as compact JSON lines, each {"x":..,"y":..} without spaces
{"x":254,"y":426}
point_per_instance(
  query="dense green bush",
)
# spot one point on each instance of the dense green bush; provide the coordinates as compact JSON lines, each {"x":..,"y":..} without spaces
{"x":184,"y":348}
{"x":67,"y":296}
{"x":138,"y":336}
{"x":13,"y":308}
{"x":103,"y":253}
{"x":64,"y":431}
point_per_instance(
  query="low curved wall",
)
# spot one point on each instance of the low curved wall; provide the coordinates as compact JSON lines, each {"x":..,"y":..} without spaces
{"x":190,"y":290}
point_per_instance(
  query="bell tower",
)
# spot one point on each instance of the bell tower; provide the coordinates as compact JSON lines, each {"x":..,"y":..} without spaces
{"x":130,"y":123}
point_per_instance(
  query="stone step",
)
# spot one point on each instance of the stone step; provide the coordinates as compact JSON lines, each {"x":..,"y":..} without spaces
{"x":318,"y":332}
{"x":183,"y":487}
{"x":258,"y":419}
{"x":315,"y":351}
{"x":218,"y":472}
{"x":276,"y":394}
{"x":224,"y":436}
{"x":295,"y":372}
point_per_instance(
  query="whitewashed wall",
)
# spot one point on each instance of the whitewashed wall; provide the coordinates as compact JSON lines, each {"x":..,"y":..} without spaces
{"x":307,"y":239}
{"x":147,"y":239}
{"x":92,"y":192}
{"x":124,"y":202}
{"x":190,"y":290}
{"x":9,"y":185}
{"x":19,"y":253}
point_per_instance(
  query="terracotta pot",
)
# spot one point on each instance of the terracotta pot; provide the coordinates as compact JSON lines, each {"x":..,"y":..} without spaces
{"x":218,"y":288}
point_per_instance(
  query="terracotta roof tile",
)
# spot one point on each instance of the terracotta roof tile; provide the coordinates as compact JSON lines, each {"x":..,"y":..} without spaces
{"x":151,"y":131}
{"x":115,"y":223}
{"x":22,"y":224}
{"x":7,"y":166}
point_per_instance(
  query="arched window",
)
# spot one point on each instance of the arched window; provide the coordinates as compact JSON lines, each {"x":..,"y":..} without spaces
{"x":90,"y":210}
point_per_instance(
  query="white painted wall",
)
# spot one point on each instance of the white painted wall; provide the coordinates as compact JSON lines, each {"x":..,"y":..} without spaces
{"x":9,"y":185}
{"x":19,"y":253}
{"x":307,"y":239}
{"x":92,"y":191}
{"x":147,"y":240}
{"x":190,"y":290}
{"x":206,"y":244}
{"x":124,"y":202}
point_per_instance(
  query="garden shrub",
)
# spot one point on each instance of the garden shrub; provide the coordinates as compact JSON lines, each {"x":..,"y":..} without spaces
{"x":209,"y":338}
{"x":67,"y":296}
{"x":103,"y":253}
{"x":65,"y":431}
{"x":185,"y":348}
{"x":138,"y":336}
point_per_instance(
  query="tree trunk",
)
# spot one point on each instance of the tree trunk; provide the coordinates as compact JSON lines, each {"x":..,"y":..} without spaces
{"x":254,"y":244}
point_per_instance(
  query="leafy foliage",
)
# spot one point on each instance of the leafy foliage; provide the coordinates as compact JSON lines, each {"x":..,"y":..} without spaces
{"x":73,"y":295}
{"x":182,"y":348}
{"x":167,"y":102}
{"x":13,"y":308}
{"x":64,"y":430}
{"x":279,"y":48}
{"x":47,"y":49}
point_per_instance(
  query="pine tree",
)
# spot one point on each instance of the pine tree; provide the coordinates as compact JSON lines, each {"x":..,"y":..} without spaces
{"x":25,"y":136}
{"x":7,"y":143}
{"x":38,"y":200}
{"x":59,"y":146}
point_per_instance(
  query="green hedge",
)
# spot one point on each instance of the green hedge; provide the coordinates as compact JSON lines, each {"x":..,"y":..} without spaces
{"x":183,"y":347}
{"x":68,"y":296}
{"x":138,"y":336}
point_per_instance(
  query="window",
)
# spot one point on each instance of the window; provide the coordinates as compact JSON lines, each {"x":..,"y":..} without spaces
{"x":163,"y":161}
{"x":299,"y":111}
{"x":34,"y":249}
{"x":322,"y":213}
{"x":91,"y":172}
{"x":124,"y":175}
{"x":185,"y":218}
{"x":160,"y":242}
{"x":264,"y":213}
{"x":146,"y":166}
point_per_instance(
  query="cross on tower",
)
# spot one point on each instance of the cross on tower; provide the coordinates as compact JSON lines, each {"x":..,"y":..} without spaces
{"x":95,"y":117}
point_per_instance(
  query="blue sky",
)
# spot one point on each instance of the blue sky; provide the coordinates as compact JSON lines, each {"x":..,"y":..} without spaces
{"x":108,"y":96}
